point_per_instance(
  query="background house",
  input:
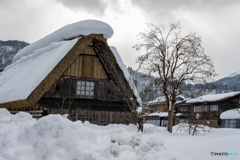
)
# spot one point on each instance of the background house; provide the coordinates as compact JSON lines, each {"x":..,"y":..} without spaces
{"x":157,"y":112}
{"x":209,"y":107}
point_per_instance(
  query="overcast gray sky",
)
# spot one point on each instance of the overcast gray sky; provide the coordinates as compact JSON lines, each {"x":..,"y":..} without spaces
{"x":216,"y":21}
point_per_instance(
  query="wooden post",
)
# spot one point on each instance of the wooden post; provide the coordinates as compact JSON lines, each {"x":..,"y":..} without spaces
{"x":76,"y":118}
{"x":110,"y":117}
{"x":99,"y":117}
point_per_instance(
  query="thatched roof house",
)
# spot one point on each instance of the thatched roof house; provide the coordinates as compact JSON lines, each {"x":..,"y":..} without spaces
{"x":74,"y":62}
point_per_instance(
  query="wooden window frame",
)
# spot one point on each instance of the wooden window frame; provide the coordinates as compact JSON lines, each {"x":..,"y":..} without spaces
{"x":85,"y":89}
{"x":213,"y":108}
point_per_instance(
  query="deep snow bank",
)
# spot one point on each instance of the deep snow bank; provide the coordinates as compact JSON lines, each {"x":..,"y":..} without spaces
{"x":54,"y":137}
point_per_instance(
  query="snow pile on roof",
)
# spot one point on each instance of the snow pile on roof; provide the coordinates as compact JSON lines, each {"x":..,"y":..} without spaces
{"x":126,"y":74}
{"x":182,"y":101}
{"x":85,"y":27}
{"x":160,"y":114}
{"x":179,"y":114}
{"x":161,"y":99}
{"x":18,"y":80}
{"x":213,"y":97}
{"x":54,"y":137}
{"x":231,"y":114}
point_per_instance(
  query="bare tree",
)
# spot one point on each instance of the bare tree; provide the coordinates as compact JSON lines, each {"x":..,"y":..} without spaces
{"x":133,"y":111}
{"x":66,"y":97}
{"x":174,"y":60}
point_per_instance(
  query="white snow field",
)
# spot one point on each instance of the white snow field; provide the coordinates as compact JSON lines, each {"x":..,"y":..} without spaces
{"x":56,"y":138}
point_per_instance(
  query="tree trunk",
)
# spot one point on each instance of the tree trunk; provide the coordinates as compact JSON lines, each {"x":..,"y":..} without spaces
{"x":170,"y":118}
{"x":140,"y":124}
{"x":170,"y":121}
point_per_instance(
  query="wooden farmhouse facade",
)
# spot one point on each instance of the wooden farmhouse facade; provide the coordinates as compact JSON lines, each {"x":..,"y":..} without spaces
{"x":88,"y":83}
{"x":157,"y":112}
{"x":209,"y":108}
{"x":204,"y":110}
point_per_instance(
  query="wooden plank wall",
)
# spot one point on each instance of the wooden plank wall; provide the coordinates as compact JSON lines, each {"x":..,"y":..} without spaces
{"x":36,"y":110}
{"x":66,"y":87}
{"x":87,"y":65}
{"x":96,"y":117}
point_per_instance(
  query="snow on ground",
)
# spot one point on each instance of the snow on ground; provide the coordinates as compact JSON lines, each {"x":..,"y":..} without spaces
{"x":54,"y":137}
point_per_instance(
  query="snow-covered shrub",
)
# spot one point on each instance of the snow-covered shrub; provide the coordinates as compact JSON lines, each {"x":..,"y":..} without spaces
{"x":191,"y":129}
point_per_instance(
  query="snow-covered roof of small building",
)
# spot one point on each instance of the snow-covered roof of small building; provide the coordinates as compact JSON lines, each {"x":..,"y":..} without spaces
{"x":231,"y":114}
{"x":160,"y":114}
{"x":163,"y":114}
{"x":158,"y":100}
{"x":33,"y":63}
{"x":213,"y":97}
{"x":162,"y":99}
{"x":179,"y":114}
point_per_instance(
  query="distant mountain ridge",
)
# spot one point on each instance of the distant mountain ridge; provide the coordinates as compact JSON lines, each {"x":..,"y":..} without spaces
{"x":224,"y":85}
{"x":234,"y":74}
{"x":230,"y":81}
{"x":8,"y":49}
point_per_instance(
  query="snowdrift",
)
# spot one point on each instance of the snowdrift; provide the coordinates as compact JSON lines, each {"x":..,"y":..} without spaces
{"x":54,"y":137}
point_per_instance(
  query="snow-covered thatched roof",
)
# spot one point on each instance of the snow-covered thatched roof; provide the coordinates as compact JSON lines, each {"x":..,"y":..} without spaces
{"x":34,"y":63}
{"x":18,"y":80}
{"x":70,"y":31}
{"x":213,"y":97}
{"x":231,"y":114}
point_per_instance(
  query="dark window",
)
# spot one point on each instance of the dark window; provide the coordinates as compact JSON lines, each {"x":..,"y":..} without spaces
{"x":152,"y":110}
{"x":213,"y":108}
{"x":183,"y":120}
{"x":230,"y":123}
{"x":205,"y":108}
{"x":183,"y":109}
{"x":57,"y":88}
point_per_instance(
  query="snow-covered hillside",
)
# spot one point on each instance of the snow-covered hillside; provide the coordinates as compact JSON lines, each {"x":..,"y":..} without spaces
{"x":234,"y":74}
{"x":8,"y":49}
{"x":54,"y":138}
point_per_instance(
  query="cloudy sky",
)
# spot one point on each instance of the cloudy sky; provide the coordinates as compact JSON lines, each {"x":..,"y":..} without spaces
{"x":216,"y":21}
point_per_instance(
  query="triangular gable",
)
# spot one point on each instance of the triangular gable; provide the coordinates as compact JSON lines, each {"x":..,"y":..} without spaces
{"x":87,"y":65}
